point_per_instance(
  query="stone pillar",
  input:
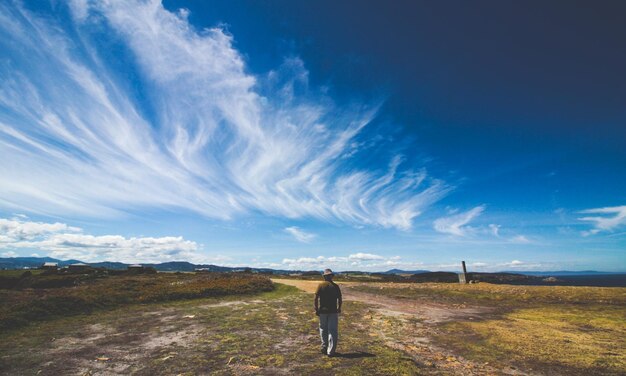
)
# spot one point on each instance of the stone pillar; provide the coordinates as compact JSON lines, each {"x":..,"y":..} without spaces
{"x":463,"y":276}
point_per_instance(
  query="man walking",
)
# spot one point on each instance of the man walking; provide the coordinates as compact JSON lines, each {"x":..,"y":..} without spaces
{"x":327,"y":307}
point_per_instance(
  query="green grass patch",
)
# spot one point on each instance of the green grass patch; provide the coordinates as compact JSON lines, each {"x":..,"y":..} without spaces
{"x":280,"y":291}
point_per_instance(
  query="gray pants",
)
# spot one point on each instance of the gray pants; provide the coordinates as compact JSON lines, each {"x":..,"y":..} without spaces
{"x":329,"y":323}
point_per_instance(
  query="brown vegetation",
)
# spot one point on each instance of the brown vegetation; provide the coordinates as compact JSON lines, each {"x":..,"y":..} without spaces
{"x":50,"y":296}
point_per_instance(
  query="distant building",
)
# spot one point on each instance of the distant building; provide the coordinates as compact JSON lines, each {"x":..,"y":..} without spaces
{"x":50,"y":266}
{"x":135,"y":267}
{"x":78,"y":267}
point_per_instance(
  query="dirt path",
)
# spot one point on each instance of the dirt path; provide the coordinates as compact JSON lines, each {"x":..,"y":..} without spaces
{"x":418,"y":324}
{"x":427,"y":311}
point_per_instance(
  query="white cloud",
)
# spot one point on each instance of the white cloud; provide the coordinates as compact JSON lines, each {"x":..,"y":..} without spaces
{"x":299,"y":234}
{"x":359,"y":261}
{"x":605,"y":222}
{"x":19,"y":229}
{"x":56,"y":241}
{"x":517,"y":239}
{"x":365,"y":257}
{"x":521,"y":265}
{"x":9,"y":254}
{"x":520,"y":239}
{"x":339,"y":263}
{"x":506,"y":266}
{"x":209,"y":137}
{"x":115,"y":247}
{"x":305,"y":260}
{"x":457,"y":224}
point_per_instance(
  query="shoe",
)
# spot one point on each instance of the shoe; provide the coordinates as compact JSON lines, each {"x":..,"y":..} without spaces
{"x":324,"y":350}
{"x":333,"y":355}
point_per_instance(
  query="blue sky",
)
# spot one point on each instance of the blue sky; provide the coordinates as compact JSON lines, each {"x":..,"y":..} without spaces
{"x":306,"y":135}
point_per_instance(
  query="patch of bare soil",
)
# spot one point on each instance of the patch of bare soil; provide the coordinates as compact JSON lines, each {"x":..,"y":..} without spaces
{"x":121,"y":349}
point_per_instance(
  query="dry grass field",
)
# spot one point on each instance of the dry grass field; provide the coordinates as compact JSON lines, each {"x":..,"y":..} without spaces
{"x":171,"y":324}
{"x":543,"y":329}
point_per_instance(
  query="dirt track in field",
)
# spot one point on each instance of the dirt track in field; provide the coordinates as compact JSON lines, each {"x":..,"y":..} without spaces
{"x":420,"y":320}
{"x":428,"y":312}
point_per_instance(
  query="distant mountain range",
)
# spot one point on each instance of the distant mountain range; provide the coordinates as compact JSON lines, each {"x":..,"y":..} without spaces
{"x":399,"y":271}
{"x":172,"y":266}
{"x":184,"y":266}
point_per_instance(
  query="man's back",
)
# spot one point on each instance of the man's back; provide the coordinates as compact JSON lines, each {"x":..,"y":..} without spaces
{"x":329,"y":293}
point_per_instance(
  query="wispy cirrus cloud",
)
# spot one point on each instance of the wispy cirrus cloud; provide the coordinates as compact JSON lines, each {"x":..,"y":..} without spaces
{"x":299,"y":234}
{"x":495,"y":230}
{"x":609,"y":219}
{"x":457,"y":224}
{"x":193,"y":130}
{"x":67,"y":242}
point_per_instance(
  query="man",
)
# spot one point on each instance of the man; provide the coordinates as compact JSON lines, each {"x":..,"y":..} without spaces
{"x":327,"y":307}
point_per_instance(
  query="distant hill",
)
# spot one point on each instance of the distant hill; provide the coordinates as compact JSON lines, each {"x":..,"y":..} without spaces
{"x":399,"y":271}
{"x":30,"y":262}
{"x":109,"y":265}
{"x":184,"y":266}
{"x":172,"y":266}
{"x":24,"y":262}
